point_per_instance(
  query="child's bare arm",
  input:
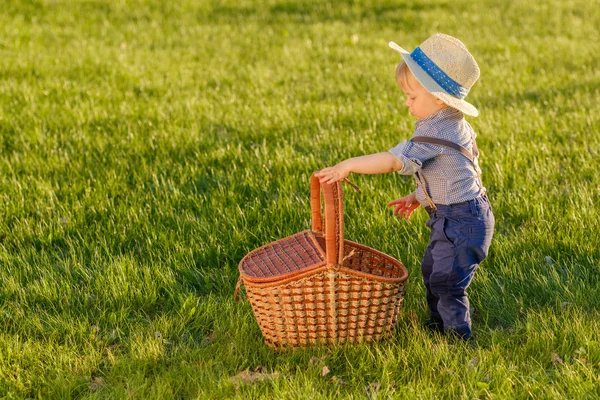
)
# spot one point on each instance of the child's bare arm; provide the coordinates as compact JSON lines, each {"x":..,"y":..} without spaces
{"x":378,"y":163}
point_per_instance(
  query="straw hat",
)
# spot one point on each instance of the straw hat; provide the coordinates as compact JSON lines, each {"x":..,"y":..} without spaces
{"x":444,"y":66}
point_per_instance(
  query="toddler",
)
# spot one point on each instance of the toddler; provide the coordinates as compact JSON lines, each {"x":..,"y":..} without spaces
{"x":442,"y":156}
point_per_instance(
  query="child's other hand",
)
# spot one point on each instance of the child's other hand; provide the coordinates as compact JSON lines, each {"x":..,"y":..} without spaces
{"x":406,"y":204}
{"x":332,"y":174}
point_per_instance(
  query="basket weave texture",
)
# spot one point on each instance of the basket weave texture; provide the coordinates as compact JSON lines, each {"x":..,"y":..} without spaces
{"x":315,"y":287}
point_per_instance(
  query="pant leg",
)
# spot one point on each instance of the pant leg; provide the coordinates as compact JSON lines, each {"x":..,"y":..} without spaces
{"x":436,"y":265}
{"x":432,"y":299}
{"x":441,"y":252}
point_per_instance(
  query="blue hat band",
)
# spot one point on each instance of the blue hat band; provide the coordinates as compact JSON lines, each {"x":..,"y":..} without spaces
{"x":448,"y":84}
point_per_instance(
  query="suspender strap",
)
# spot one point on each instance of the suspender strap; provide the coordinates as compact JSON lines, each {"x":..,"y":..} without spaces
{"x":451,"y":145}
{"x":422,"y":184}
{"x":447,"y":143}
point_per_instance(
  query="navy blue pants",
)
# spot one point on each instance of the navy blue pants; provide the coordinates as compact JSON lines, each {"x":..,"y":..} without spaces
{"x":459,"y":240}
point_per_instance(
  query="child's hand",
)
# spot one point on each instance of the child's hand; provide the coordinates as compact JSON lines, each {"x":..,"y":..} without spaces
{"x":406,"y":204}
{"x":333,"y":174}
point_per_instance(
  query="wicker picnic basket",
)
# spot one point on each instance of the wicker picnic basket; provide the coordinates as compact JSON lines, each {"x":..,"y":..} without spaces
{"x":315,"y":287}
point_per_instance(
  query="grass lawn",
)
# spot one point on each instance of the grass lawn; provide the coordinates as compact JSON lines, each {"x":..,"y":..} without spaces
{"x":146,"y":146}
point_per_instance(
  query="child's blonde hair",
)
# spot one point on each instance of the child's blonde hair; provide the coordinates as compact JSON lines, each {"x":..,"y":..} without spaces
{"x":404,"y":76}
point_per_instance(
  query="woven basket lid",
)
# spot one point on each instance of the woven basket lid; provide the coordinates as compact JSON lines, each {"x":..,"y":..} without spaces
{"x":279,"y":259}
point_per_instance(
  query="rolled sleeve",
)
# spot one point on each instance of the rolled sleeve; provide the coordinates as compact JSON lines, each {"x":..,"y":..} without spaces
{"x":420,"y":196}
{"x":412,"y":155}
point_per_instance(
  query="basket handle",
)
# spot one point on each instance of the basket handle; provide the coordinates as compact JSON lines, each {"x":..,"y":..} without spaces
{"x":334,"y":217}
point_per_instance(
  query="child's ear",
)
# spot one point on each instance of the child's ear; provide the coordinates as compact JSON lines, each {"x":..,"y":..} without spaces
{"x":439,"y":102}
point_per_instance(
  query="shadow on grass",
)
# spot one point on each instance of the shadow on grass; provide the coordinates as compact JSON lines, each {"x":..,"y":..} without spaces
{"x":539,"y":96}
{"x":546,"y":275}
{"x":402,"y":13}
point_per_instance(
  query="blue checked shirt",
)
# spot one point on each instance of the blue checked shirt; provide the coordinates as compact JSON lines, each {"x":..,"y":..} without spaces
{"x":449,"y":176}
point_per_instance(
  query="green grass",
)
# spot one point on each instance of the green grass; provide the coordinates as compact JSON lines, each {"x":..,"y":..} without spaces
{"x":146,"y":147}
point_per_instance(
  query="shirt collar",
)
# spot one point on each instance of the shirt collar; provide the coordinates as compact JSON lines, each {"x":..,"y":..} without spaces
{"x":447,"y":112}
